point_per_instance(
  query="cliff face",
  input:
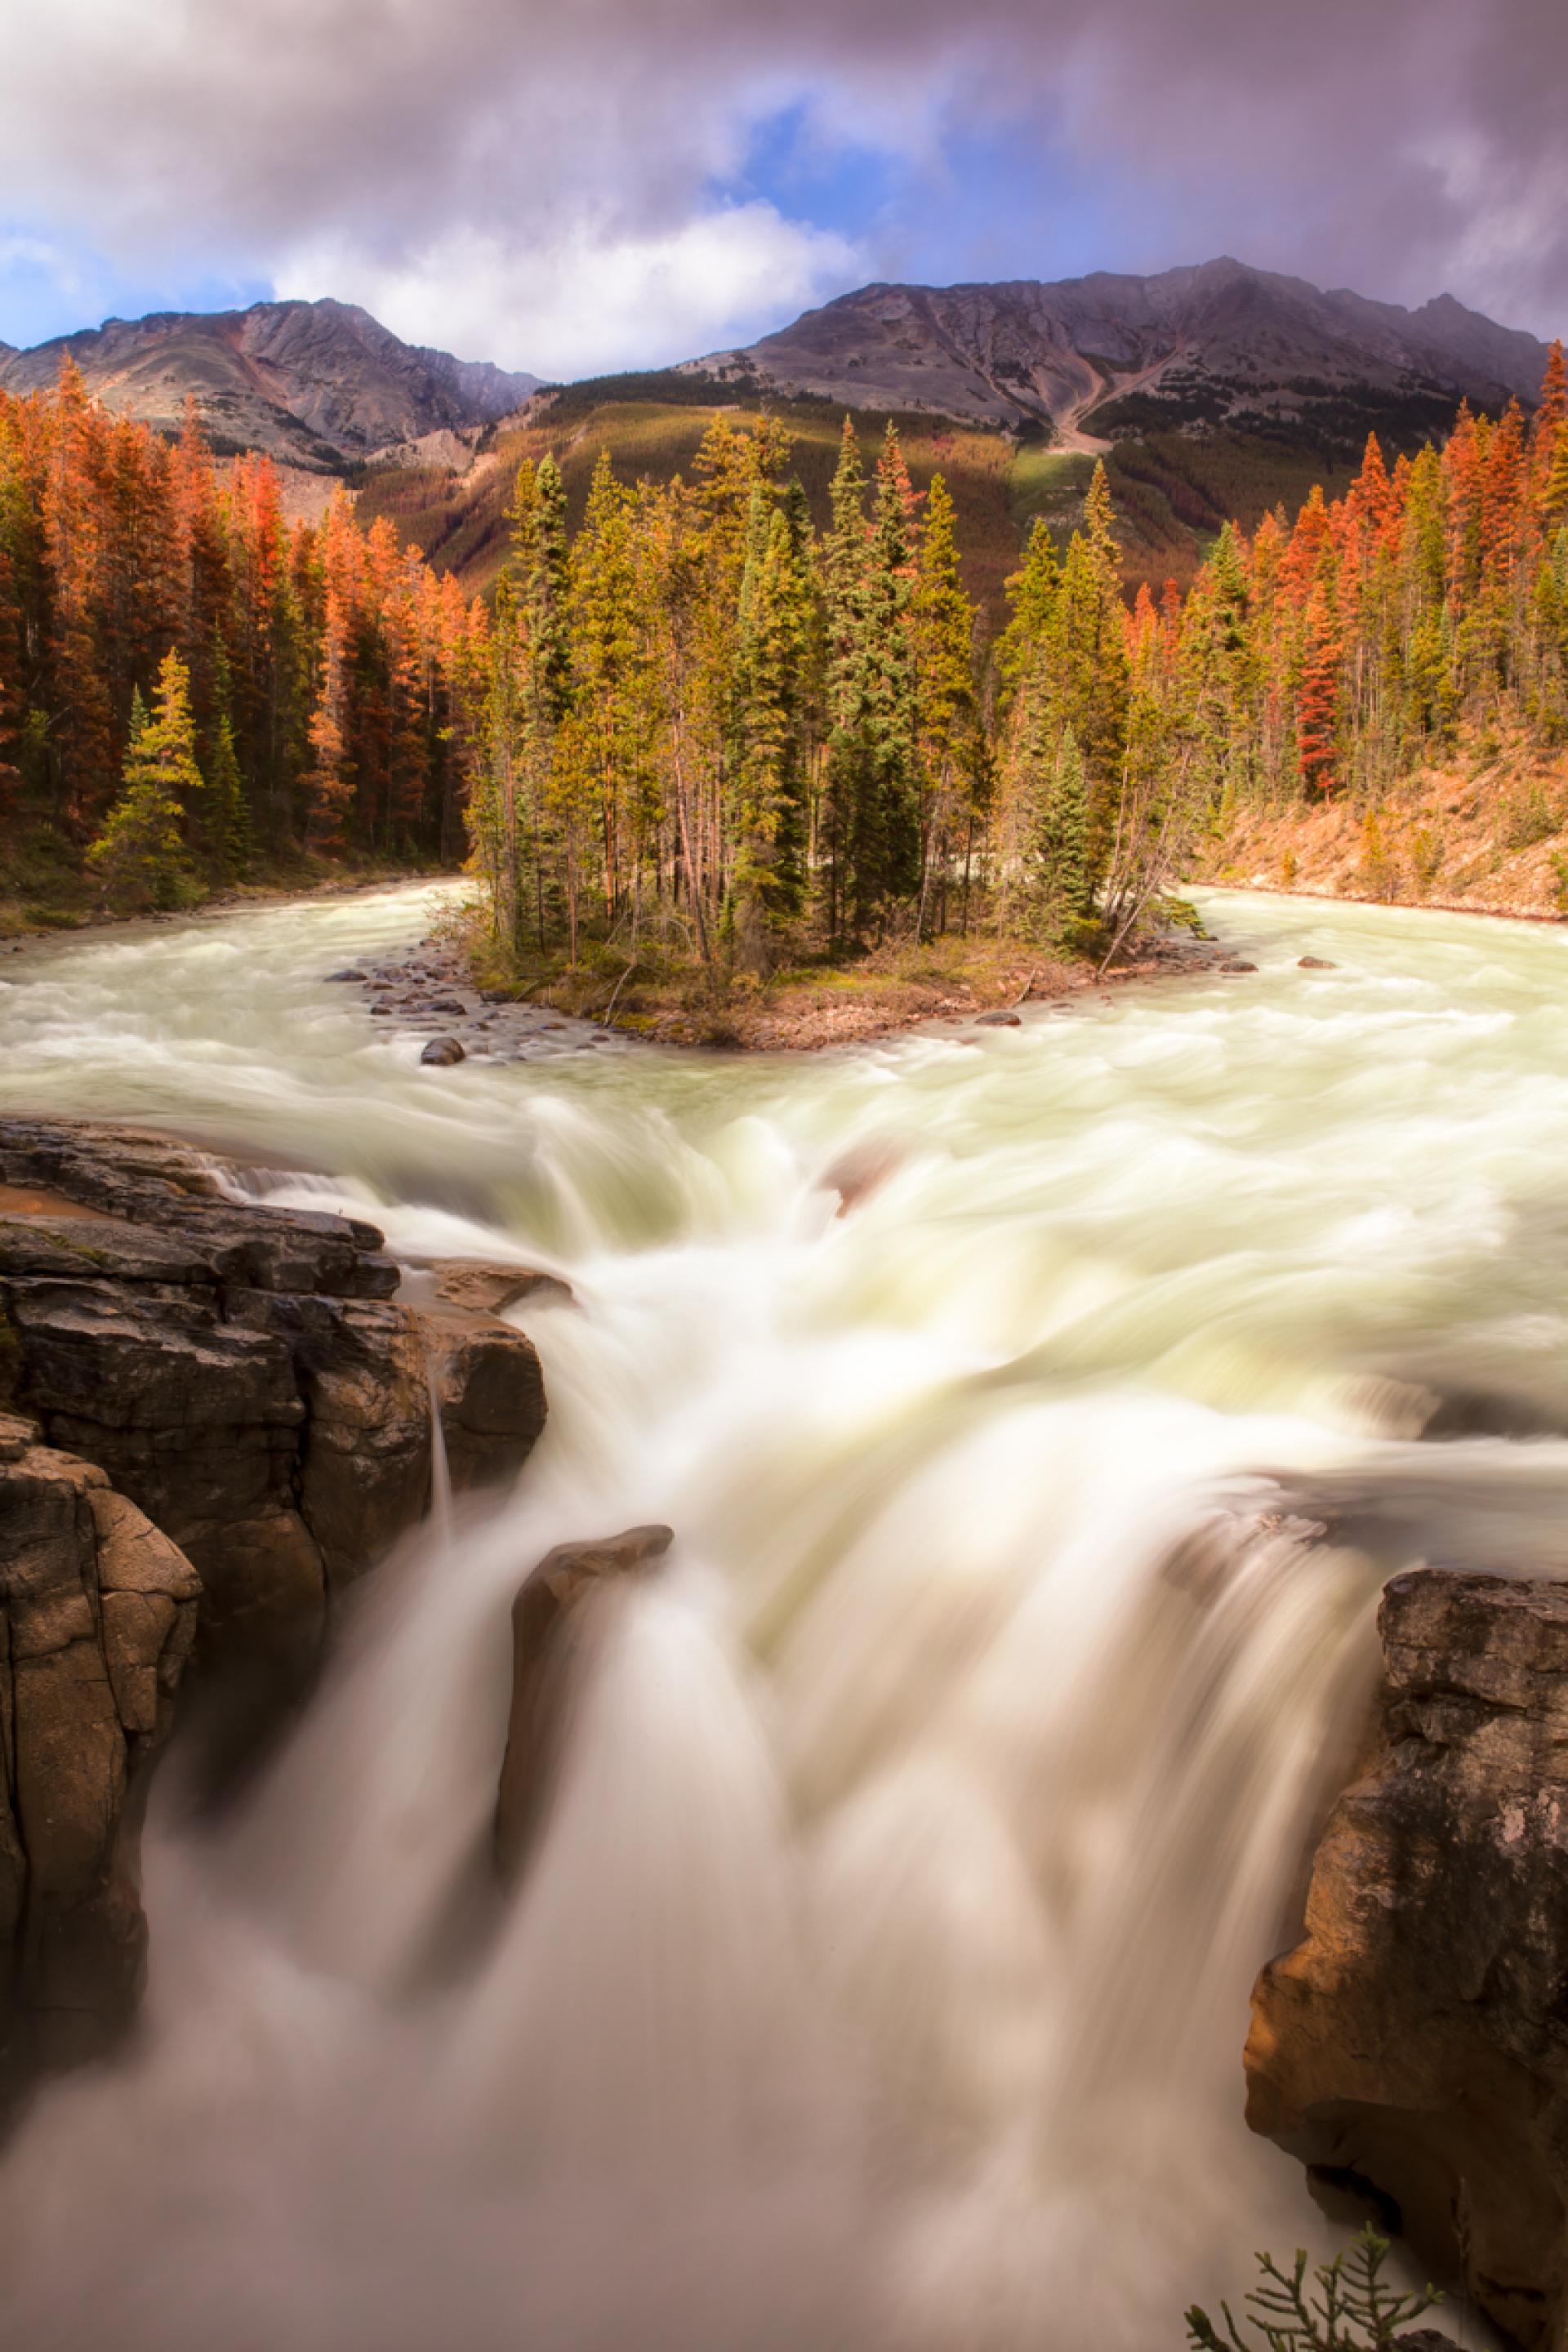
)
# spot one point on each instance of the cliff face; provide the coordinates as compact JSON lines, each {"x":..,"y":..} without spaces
{"x":217,"y":1417}
{"x":313,"y":383}
{"x":1418,"y":2035}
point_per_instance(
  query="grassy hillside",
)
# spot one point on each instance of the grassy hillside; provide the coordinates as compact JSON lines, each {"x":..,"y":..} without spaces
{"x":1172,"y":492}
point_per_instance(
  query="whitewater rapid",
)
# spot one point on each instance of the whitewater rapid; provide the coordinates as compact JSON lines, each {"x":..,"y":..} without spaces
{"x":882,"y":1979}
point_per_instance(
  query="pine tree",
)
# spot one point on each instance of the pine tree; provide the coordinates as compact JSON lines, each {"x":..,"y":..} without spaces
{"x":768,"y":880}
{"x":232,"y":835}
{"x":843,"y":608}
{"x":1317,"y":699}
{"x":882,"y":859}
{"x":139,"y":856}
{"x":1048,"y":888}
{"x":945,"y":716}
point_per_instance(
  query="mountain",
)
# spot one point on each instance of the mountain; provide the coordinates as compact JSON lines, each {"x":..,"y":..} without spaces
{"x":1218,"y":345}
{"x":316,"y":384}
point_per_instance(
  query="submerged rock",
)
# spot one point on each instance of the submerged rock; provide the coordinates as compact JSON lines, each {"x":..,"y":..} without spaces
{"x":1320,"y":963}
{"x":547,"y":1619}
{"x":1417,"y":2036}
{"x":486,"y":1287}
{"x":443,"y":1052}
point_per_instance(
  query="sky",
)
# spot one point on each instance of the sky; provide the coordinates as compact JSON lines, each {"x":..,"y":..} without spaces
{"x":573,"y":186}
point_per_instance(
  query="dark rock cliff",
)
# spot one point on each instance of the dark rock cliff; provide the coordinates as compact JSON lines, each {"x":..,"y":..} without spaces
{"x":1417,"y":2037}
{"x":217,"y":1415}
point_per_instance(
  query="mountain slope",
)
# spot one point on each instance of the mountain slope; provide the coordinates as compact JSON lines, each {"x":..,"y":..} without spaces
{"x":316,"y":384}
{"x":1197,"y":349}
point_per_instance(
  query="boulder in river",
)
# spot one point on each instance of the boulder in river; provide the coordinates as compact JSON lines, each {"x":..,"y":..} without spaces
{"x":487,"y":1286}
{"x":443,"y":1052}
{"x":1417,"y":2037}
{"x":547,"y":1619}
{"x":1315,"y":963}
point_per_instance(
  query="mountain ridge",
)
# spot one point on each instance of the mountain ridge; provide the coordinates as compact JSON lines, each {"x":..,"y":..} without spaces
{"x":318,"y":385}
{"x":1206,"y":345}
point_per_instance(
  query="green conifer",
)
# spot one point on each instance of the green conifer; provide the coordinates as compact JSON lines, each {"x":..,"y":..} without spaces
{"x":139,"y":855}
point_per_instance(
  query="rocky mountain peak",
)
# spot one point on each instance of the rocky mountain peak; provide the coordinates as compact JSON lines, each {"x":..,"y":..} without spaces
{"x":317,"y":384}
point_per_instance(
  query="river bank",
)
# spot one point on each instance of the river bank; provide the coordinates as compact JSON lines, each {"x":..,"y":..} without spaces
{"x":1489,"y":837}
{"x":438,"y":989}
{"x":81,"y":915}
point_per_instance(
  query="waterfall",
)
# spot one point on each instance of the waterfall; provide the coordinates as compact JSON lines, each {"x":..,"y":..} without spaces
{"x":878,"y":1976}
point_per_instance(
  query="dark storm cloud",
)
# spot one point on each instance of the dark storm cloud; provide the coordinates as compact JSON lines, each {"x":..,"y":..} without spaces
{"x":413,"y":146}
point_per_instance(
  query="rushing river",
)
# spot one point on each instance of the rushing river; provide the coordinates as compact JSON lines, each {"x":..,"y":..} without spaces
{"x":881,"y":1980}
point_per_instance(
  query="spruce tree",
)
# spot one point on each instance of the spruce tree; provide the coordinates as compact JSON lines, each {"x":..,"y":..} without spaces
{"x":139,"y":855}
{"x":767,"y":882}
{"x":845,"y":564}
{"x":1048,"y":883}
{"x":884,"y":844}
{"x":943,"y":623}
{"x":233,"y":837}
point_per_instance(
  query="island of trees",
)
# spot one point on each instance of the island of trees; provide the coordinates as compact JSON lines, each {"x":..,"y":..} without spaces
{"x":701,"y":730}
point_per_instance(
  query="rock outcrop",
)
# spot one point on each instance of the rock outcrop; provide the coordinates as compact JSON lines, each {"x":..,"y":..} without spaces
{"x":99,"y":1615}
{"x":1417,"y":2037}
{"x":213,"y":1416}
{"x":243,"y":1373}
{"x":313,"y":383}
{"x":547,"y":1619}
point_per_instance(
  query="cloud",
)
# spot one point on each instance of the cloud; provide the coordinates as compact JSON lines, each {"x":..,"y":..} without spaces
{"x":580,"y":302}
{"x":469,"y":164}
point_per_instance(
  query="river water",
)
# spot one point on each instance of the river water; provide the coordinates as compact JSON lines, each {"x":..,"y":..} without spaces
{"x":882,"y":1976}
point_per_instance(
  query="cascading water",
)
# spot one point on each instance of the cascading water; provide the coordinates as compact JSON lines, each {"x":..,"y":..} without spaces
{"x":881,"y":1976}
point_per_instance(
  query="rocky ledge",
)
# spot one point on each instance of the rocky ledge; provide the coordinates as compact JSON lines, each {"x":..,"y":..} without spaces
{"x":1416,"y":2039}
{"x":216,"y":1416}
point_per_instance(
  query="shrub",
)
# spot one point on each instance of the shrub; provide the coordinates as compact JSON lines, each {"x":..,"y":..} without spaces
{"x":1352,"y":2310}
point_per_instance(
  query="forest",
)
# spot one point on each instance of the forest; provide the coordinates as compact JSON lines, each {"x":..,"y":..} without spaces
{"x":700,"y":729}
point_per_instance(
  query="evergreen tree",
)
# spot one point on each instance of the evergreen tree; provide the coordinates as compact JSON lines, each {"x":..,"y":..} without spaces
{"x":768,"y":879}
{"x":139,"y":855}
{"x":233,"y":838}
{"x":943,"y":620}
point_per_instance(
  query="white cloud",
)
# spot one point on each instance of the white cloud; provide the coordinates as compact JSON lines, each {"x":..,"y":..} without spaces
{"x":579,"y":303}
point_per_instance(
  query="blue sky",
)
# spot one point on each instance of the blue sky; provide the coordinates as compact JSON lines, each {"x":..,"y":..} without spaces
{"x":602,"y":183}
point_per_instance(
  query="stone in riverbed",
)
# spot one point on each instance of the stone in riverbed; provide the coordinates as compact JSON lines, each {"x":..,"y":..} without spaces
{"x":549,"y":1621}
{"x":1235,"y":963}
{"x":1416,"y":2037}
{"x":1318,"y":963}
{"x":349,"y":971}
{"x":443,"y":1052}
{"x":485,"y":1287}
{"x":1003,"y":1020}
{"x":491,"y":1391}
